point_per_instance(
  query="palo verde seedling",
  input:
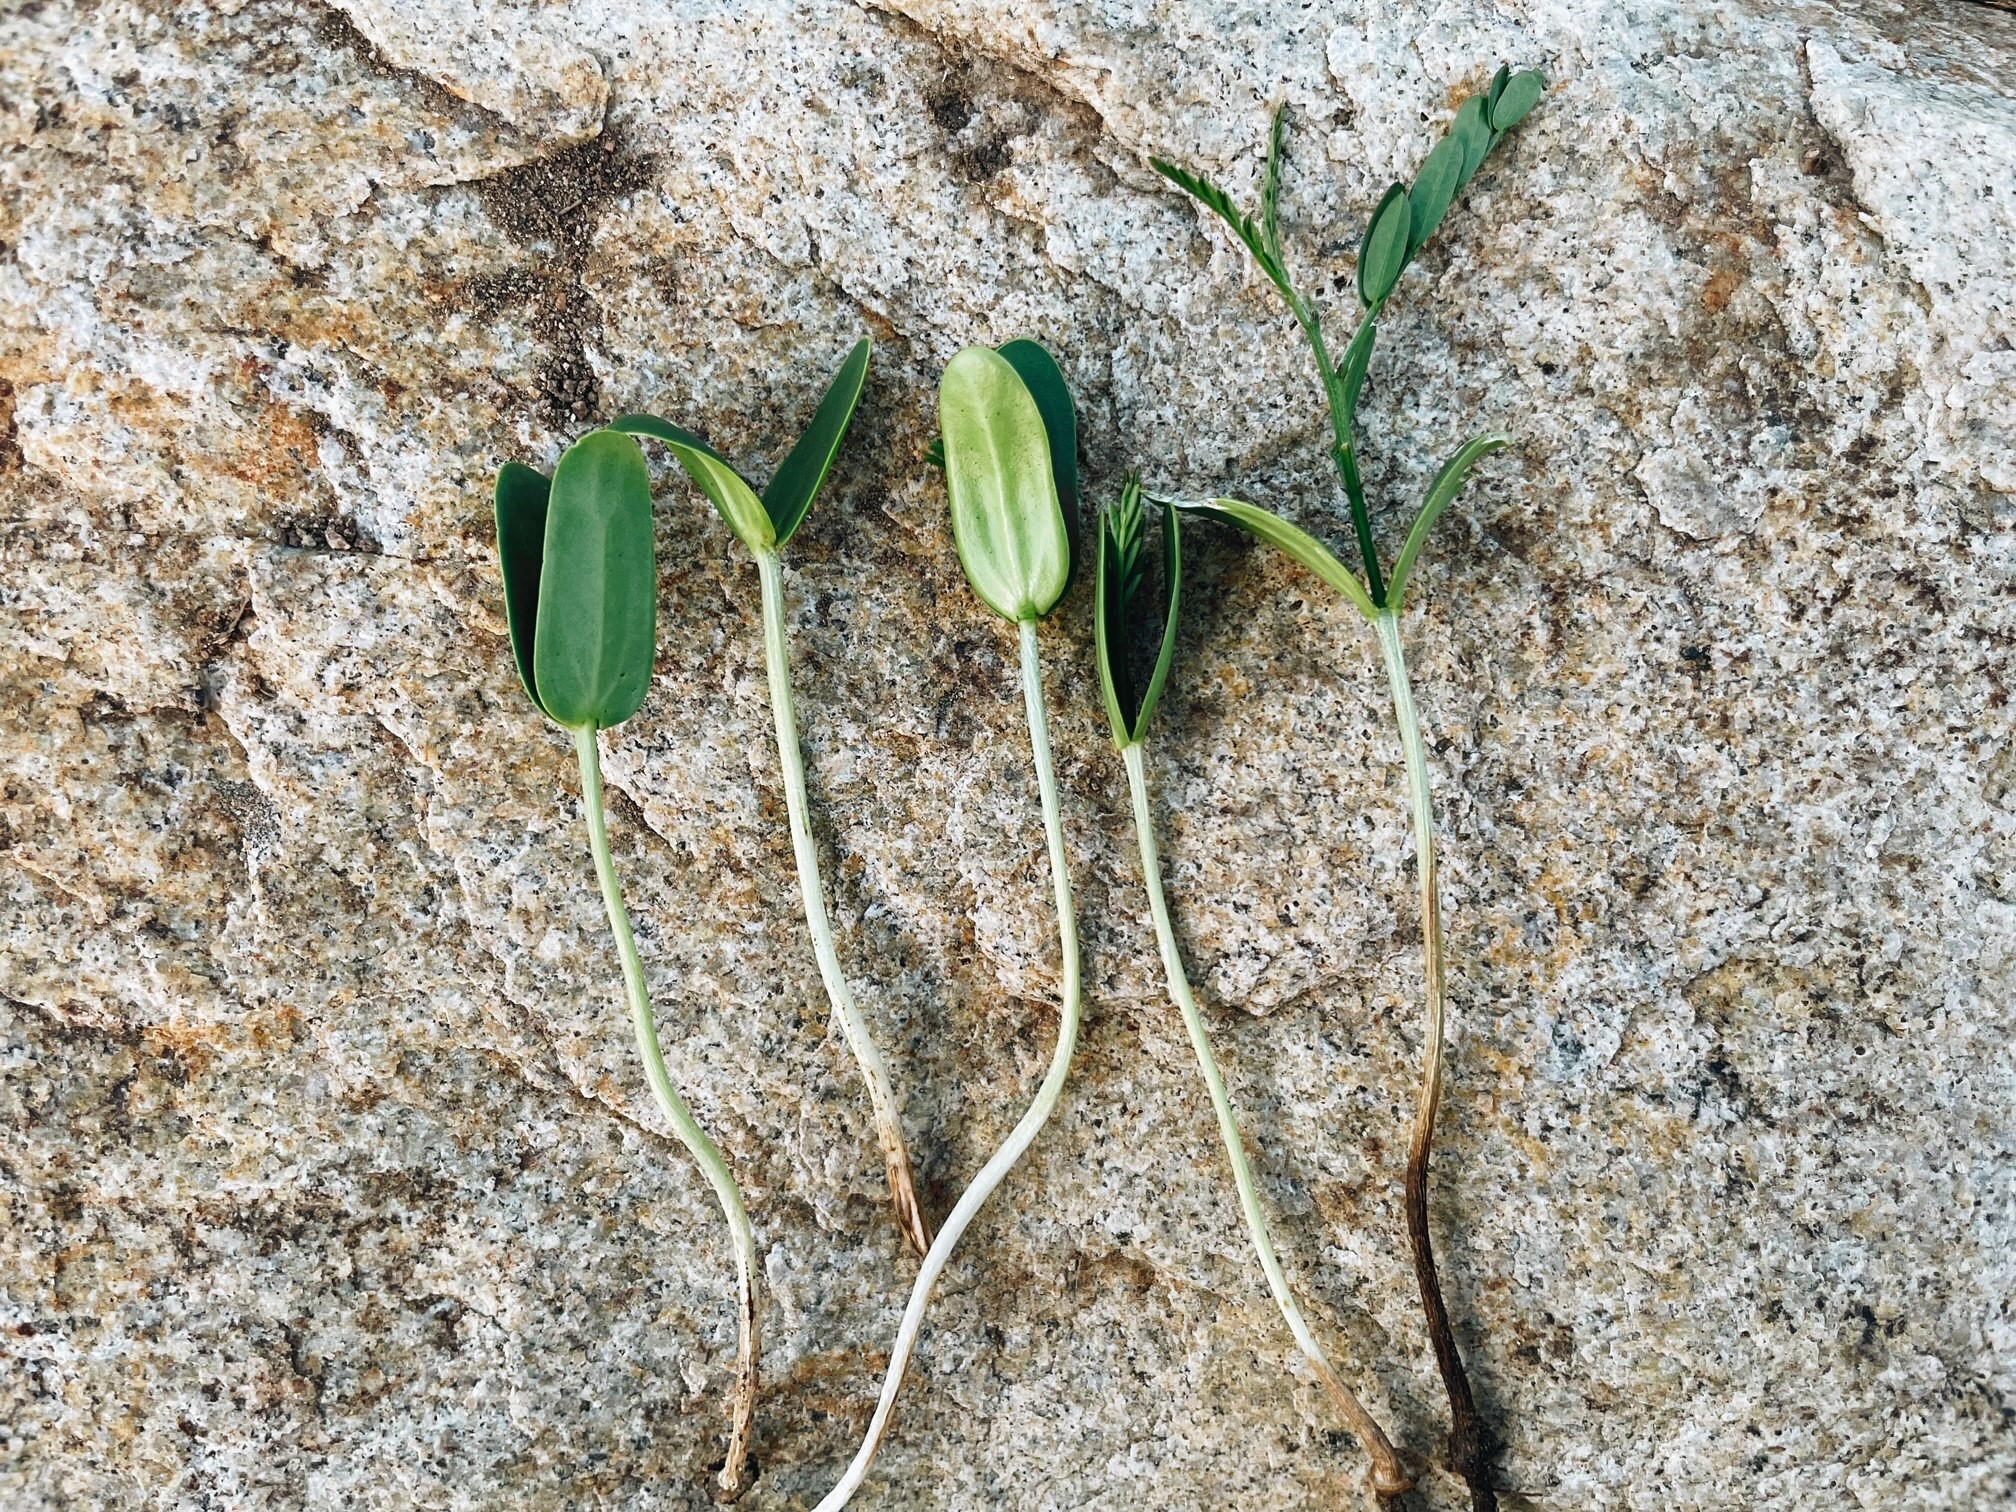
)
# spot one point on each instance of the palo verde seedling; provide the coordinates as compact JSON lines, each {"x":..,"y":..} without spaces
{"x":764,"y":525}
{"x":1125,"y":626}
{"x":581,"y":594}
{"x":1406,"y":217}
{"x":1010,"y":448}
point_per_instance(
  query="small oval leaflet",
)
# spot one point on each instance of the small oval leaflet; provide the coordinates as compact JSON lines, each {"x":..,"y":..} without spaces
{"x":1498,"y":82}
{"x":595,"y":635}
{"x":1521,"y":93}
{"x":1384,"y":252}
{"x":1472,"y":127}
{"x":1434,"y":187}
{"x":1006,"y":517}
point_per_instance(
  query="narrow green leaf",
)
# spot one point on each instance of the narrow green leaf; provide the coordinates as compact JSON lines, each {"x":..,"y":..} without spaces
{"x":1473,"y":129}
{"x":1292,"y":540}
{"x":1006,"y":519}
{"x":598,"y":590}
{"x":735,"y":500}
{"x":934,"y":454}
{"x":1383,"y":253}
{"x":1434,"y":187}
{"x":521,"y":547}
{"x":1519,"y":96}
{"x":1357,"y":361}
{"x":1270,"y":186}
{"x":1172,"y":581}
{"x":789,"y":497}
{"x":1448,"y":483}
{"x":1109,"y":622}
{"x":1219,"y":203}
{"x":1122,"y":618}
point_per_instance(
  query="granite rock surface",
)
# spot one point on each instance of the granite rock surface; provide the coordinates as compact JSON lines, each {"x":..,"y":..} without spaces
{"x":328,"y":1176}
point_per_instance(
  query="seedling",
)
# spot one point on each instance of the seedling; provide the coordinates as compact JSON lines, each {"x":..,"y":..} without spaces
{"x":1124,"y":625}
{"x":1406,"y":217}
{"x":580,"y":595}
{"x":1010,"y":457}
{"x":764,"y":526}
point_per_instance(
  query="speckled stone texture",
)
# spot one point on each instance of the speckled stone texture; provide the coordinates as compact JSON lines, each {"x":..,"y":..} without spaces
{"x":328,"y":1175}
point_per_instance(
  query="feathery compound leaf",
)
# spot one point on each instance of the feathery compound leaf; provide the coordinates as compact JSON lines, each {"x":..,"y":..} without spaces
{"x":1291,"y":540}
{"x":1118,"y":545}
{"x":1448,"y":483}
{"x":596,"y":633}
{"x":1510,"y":105}
{"x":1219,"y":203}
{"x":789,"y":497}
{"x":1270,"y":186}
{"x":1435,"y":186}
{"x":1006,"y":519}
{"x":735,"y":500}
{"x":521,"y":549}
{"x":1384,"y":252}
{"x":1123,"y":618}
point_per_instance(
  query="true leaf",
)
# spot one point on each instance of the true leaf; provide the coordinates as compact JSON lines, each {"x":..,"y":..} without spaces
{"x":1521,"y":93}
{"x":789,"y":497}
{"x":1384,"y":252}
{"x":1219,"y":203}
{"x":598,"y":585}
{"x":1297,"y":543}
{"x":1270,"y":186}
{"x":1357,"y":360}
{"x":521,"y":547}
{"x":1448,"y":483}
{"x":1472,"y":127}
{"x":1122,"y":617}
{"x":1006,"y":518}
{"x":733,"y":498}
{"x":1165,"y":656}
{"x":1498,"y":83}
{"x":1110,"y":601}
{"x":1434,"y":187}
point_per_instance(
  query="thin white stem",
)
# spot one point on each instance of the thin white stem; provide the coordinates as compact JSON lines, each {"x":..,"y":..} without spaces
{"x":874,"y":1072}
{"x":703,"y":1149}
{"x":1388,"y":1475}
{"x":997,"y":1168}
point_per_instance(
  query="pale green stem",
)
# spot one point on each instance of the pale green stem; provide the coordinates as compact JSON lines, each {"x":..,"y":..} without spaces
{"x":1469,"y":1435}
{"x":703,"y":1149}
{"x":1388,"y":1476}
{"x":1409,"y":723}
{"x":888,"y":1120}
{"x":997,"y":1168}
